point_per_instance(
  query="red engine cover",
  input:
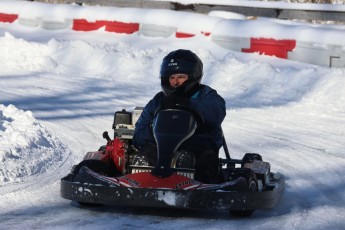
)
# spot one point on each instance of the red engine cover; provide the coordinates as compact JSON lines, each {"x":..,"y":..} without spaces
{"x":116,"y":150}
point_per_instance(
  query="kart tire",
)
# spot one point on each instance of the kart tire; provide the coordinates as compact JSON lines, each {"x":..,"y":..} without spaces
{"x":250,"y":157}
{"x":95,"y":165}
{"x":252,"y":186}
{"x":106,"y":169}
{"x":241,"y":213}
{"x":89,"y":205}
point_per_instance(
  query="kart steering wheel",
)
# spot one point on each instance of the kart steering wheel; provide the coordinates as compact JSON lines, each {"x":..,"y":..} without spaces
{"x":197,"y":116}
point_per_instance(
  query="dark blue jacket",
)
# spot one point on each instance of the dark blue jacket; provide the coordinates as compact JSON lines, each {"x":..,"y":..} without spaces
{"x":206,"y":102}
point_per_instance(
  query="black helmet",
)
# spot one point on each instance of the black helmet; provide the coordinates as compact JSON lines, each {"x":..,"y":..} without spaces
{"x":181,"y":61}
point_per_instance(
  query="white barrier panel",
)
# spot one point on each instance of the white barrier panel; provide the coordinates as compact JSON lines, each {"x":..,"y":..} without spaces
{"x":30,"y":22}
{"x":46,"y":24}
{"x":336,"y":56}
{"x":319,"y":54}
{"x":56,"y":25}
{"x":151,"y":30}
{"x":231,"y":43}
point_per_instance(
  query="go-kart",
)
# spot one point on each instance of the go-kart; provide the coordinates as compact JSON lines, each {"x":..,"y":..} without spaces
{"x":113,"y":176}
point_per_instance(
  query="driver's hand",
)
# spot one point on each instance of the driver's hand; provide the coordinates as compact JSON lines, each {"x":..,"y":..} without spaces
{"x":169,"y":102}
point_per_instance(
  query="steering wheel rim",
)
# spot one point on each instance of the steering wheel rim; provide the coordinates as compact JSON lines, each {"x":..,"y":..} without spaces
{"x":197,"y":116}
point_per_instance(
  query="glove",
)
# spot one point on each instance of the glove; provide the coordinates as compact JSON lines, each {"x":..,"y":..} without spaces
{"x":168,"y":102}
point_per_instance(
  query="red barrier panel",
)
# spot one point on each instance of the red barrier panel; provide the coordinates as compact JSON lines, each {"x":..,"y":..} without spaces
{"x":206,"y":33}
{"x":184,"y":35}
{"x":188,"y":35}
{"x":121,"y":27}
{"x":271,"y":47}
{"x":8,"y":17}
{"x":110,"y":26}
{"x":84,"y":25}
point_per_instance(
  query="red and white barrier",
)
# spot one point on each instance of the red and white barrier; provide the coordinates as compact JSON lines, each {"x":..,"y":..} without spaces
{"x":231,"y":34}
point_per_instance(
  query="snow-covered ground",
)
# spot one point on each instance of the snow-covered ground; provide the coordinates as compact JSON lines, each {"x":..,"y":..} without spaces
{"x":60,"y":89}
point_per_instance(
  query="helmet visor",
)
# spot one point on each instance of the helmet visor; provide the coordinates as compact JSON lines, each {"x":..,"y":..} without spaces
{"x":175,"y":66}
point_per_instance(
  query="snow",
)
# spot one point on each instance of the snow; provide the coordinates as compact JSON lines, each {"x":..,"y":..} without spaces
{"x":168,"y":197}
{"x":59,"y":91}
{"x":27,"y":147}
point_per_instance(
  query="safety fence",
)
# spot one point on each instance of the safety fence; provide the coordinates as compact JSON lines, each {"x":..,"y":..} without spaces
{"x":256,"y":8}
{"x":326,"y":51}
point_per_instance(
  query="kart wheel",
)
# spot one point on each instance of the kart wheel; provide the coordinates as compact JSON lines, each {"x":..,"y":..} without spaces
{"x":89,"y":205}
{"x":250,"y":157}
{"x":95,"y":165}
{"x":252,"y":186}
{"x":246,"y":173}
{"x":242,"y":213}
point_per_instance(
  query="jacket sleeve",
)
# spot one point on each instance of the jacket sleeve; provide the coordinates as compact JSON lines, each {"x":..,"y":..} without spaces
{"x":143,"y":130}
{"x":211,"y":106}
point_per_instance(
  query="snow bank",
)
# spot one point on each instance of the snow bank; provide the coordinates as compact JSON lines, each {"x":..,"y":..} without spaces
{"x":18,"y":55}
{"x":27,"y":148}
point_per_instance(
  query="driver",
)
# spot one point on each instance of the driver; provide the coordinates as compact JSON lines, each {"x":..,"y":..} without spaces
{"x":181,"y":72}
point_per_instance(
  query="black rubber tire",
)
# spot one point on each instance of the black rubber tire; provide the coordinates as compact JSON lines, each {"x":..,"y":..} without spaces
{"x":89,"y":205}
{"x":241,"y":213}
{"x":106,"y":169}
{"x":95,"y":165}
{"x":250,"y":157}
{"x":252,"y":186}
